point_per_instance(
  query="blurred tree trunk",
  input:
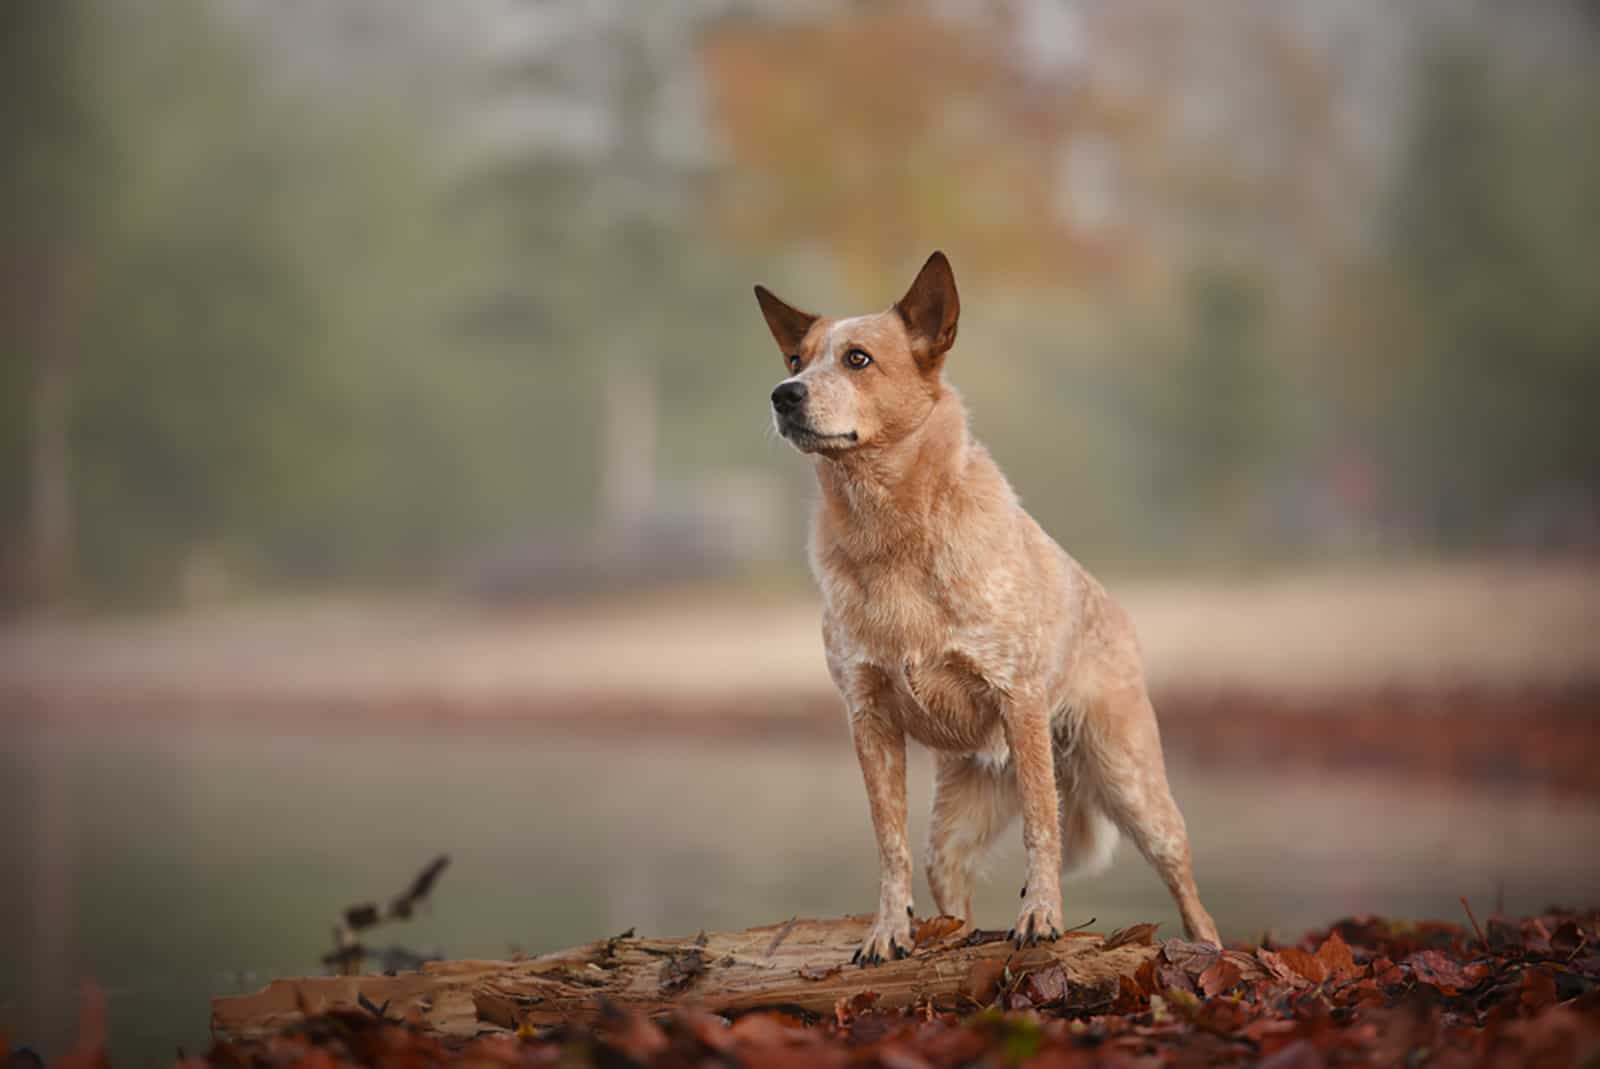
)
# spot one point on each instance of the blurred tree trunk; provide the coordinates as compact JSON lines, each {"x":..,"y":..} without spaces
{"x":43,"y":122}
{"x":49,"y":527}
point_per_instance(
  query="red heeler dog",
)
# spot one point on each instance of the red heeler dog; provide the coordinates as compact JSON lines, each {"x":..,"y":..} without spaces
{"x":950,"y":616}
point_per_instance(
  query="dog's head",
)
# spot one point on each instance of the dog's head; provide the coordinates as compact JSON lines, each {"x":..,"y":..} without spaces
{"x":866,"y":380}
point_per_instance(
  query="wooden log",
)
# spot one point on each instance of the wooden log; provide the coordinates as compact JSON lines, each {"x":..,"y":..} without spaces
{"x":802,"y":965}
{"x":438,"y":997}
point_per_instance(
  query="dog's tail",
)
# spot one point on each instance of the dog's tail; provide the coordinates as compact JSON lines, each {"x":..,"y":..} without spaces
{"x":1088,"y":840}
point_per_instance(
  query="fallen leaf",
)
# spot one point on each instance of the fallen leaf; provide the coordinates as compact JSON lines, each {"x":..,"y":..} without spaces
{"x":1334,"y":953}
{"x":849,"y":1007}
{"x":1130,"y":997}
{"x":1301,"y":1054}
{"x":1278,"y":968}
{"x":711,"y":1031}
{"x":1538,"y":990}
{"x":769,"y":1028}
{"x":1434,"y":968}
{"x":1135,"y":934}
{"x":1308,"y":966}
{"x":1044,"y":987}
{"x":934,"y":929}
{"x":1221,"y":977}
{"x":983,"y":979}
{"x":1192,"y":958}
{"x":632,"y":1034}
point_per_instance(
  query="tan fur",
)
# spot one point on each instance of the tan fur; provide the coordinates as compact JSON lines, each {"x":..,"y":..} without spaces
{"x":950,"y":617}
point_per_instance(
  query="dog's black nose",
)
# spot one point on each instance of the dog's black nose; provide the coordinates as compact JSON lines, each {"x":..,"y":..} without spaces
{"x":788,"y":396}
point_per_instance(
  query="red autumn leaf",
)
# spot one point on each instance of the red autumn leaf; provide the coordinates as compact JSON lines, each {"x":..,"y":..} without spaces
{"x":934,"y":929}
{"x":900,"y":1054}
{"x":1387,"y":973}
{"x":769,"y":1029}
{"x":1362,"y":993}
{"x":633,"y":1035}
{"x":1221,"y":1016}
{"x":1334,"y":953}
{"x":501,"y":1050}
{"x":711,"y":1031}
{"x":1145,"y":977}
{"x":1307,"y":965}
{"x":1300,"y":1054}
{"x":982,"y":982}
{"x":1438,"y":970}
{"x":849,"y":1007}
{"x":1044,"y":987}
{"x":1538,"y":990}
{"x":1170,"y":978}
{"x":1130,"y":997}
{"x":1278,"y":968}
{"x":1268,"y":1032}
{"x":1192,"y":958}
{"x":1220,"y":977}
{"x":1143,"y":934}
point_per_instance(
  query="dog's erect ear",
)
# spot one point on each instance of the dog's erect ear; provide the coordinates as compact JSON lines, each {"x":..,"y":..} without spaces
{"x":930,"y":309}
{"x":788,"y":324}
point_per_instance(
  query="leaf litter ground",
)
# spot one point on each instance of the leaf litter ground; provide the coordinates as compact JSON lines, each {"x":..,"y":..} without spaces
{"x":1364,"y":992}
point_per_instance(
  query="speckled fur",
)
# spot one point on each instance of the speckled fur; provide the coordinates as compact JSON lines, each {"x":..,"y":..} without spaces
{"x":950,"y":617}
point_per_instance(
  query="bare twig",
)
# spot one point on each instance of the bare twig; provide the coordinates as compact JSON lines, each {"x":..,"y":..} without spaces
{"x":1468,"y":907}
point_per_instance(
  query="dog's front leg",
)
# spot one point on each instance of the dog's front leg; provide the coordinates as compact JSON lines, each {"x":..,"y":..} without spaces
{"x":1027,"y":728}
{"x":881,"y":749}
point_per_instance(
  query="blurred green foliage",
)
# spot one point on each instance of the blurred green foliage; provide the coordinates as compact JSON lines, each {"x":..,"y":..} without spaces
{"x":303,"y":346}
{"x":1481,"y":371}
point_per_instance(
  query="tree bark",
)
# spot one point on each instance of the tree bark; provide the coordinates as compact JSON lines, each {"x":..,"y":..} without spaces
{"x":801,"y":966}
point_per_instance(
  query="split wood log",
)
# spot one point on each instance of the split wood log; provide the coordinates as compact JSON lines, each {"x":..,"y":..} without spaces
{"x":802,"y":965}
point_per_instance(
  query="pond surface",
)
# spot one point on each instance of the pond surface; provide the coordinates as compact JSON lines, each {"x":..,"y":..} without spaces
{"x":172,"y":867}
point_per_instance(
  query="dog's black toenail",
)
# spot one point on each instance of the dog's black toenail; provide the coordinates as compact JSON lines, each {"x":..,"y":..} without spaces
{"x":910,"y":914}
{"x":1024,"y":893}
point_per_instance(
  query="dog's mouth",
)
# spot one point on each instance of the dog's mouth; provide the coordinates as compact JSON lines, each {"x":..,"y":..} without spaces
{"x":808,"y":438}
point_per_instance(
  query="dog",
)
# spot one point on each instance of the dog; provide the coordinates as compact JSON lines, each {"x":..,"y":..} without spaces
{"x":949,"y":616}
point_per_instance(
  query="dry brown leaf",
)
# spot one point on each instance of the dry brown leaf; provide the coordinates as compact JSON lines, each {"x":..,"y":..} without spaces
{"x":1143,"y":934}
{"x":934,"y":929}
{"x":1221,"y":977}
{"x":1307,"y":965}
{"x":1278,"y":968}
{"x":1334,"y":953}
{"x":982,"y":982}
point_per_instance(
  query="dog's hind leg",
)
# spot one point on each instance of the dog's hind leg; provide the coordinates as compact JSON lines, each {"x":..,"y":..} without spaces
{"x":1116,"y":757}
{"x":973,"y":803}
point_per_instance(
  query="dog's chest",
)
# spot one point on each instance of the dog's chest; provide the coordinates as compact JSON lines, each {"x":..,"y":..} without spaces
{"x":945,"y":651}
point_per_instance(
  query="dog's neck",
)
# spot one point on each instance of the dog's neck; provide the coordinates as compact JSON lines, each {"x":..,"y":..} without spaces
{"x":891,"y":489}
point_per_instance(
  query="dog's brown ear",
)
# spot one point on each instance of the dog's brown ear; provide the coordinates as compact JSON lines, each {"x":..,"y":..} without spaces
{"x":930,"y":309}
{"x":787,"y":323}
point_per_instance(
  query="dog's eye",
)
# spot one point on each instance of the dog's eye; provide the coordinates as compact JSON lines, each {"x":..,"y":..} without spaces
{"x":857,"y":359}
{"x":793,"y":361}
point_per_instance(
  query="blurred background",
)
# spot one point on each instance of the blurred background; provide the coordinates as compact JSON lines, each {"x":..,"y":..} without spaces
{"x":385,"y":471}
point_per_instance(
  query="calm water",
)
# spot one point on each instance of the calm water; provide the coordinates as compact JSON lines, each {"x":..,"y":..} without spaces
{"x":173,"y":867}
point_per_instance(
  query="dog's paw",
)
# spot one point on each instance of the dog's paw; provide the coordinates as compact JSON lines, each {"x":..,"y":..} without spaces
{"x":889,"y":940}
{"x":1039,"y":922}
